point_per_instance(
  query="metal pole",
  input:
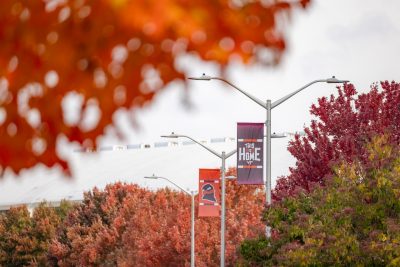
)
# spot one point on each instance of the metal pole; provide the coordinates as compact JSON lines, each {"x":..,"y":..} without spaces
{"x":268,"y":106}
{"x":223,"y":210}
{"x":223,"y":156}
{"x":268,"y":162}
{"x":192,"y":259}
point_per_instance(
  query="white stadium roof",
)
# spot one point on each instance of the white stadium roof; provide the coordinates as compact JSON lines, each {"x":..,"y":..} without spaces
{"x":178,"y":161}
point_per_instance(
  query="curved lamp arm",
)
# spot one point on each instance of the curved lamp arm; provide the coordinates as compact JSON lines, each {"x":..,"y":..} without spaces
{"x":329,"y":80}
{"x":208,"y":78}
{"x":230,"y":153}
{"x":283,"y":99}
{"x":173,"y":135}
{"x":275,"y":103}
{"x":159,"y":177}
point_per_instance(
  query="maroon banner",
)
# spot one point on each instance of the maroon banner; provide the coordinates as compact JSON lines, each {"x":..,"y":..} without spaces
{"x":209,"y":192}
{"x":250,"y":144}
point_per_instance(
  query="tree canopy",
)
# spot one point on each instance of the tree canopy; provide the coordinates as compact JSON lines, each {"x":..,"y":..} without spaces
{"x":104,"y":55}
{"x":344,"y":125}
{"x":351,"y":221}
{"x":25,"y":237}
{"x":126,"y":225}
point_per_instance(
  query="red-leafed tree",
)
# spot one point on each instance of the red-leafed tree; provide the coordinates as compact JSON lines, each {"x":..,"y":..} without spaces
{"x":102,"y":53}
{"x":88,"y":234}
{"x":129,"y":226}
{"x":344,"y":125}
{"x":170,"y":245}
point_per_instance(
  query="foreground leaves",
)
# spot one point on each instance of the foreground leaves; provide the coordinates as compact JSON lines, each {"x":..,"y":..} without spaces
{"x":67,"y":66}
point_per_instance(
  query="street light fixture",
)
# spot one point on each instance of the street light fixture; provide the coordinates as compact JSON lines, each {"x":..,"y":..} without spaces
{"x":278,"y":135}
{"x":191,"y":193}
{"x":268,"y":105}
{"x":223,"y":156}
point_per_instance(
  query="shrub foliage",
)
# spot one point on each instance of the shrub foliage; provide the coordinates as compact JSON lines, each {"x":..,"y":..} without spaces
{"x":354,"y":220}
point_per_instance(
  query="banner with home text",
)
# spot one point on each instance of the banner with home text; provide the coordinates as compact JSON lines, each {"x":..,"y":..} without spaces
{"x":250,"y":151}
{"x":209,"y":192}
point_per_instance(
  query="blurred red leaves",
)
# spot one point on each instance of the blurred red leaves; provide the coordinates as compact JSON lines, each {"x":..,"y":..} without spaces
{"x":100,"y":53}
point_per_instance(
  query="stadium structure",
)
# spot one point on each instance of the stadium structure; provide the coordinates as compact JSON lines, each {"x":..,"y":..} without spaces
{"x":178,"y":160}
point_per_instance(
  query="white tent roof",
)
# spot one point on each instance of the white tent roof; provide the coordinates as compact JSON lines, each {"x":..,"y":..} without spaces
{"x":177,"y":161}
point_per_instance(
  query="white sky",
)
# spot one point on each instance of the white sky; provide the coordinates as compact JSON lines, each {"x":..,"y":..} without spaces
{"x":357,"y":40}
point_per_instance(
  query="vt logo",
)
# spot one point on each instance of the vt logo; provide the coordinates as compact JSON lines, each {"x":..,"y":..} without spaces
{"x":208,"y":193}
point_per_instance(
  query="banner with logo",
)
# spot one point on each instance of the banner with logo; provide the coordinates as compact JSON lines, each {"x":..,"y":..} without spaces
{"x":209,"y":192}
{"x":250,"y":159}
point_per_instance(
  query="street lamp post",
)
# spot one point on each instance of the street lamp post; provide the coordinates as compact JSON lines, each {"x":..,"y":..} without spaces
{"x":223,"y":156}
{"x":192,"y":194}
{"x":268,"y":106}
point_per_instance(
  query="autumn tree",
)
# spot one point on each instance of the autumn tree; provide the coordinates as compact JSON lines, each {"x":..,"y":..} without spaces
{"x":170,"y":244}
{"x":343,"y":126}
{"x":88,"y":234}
{"x":25,"y":238}
{"x":146,"y":228}
{"x":103,"y":56}
{"x":351,"y":221}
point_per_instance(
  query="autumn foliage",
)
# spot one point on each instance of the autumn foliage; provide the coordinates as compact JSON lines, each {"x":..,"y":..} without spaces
{"x":105,"y":55}
{"x":351,"y":221}
{"x":345,"y":124}
{"x":126,"y":225}
{"x":25,"y":238}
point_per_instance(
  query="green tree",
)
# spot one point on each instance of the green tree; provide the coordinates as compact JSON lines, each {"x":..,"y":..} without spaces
{"x":25,"y":238}
{"x":354,"y":220}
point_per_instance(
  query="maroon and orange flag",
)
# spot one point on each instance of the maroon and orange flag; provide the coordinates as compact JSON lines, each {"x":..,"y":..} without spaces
{"x":250,"y":143}
{"x":209,"y":192}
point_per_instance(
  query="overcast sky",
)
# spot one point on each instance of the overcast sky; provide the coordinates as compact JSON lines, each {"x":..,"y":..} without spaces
{"x":357,"y":40}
